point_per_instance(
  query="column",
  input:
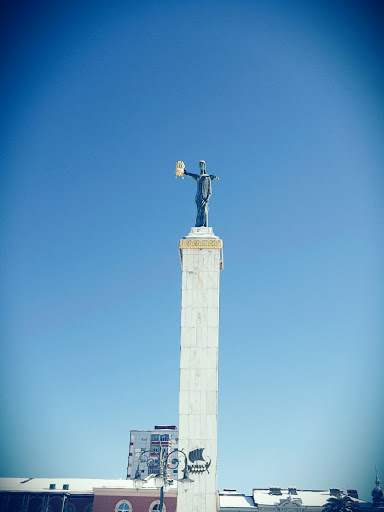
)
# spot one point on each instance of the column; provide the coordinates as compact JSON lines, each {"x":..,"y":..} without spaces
{"x":201,"y":261}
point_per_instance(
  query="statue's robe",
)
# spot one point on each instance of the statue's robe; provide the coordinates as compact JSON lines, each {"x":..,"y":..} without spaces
{"x":203,"y":193}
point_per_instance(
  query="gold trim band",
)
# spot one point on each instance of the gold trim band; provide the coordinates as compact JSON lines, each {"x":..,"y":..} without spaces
{"x":201,"y":243}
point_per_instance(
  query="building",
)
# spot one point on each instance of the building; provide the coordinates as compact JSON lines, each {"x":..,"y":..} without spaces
{"x":276,"y":499}
{"x":150,"y":441}
{"x":98,"y":495}
{"x":378,"y":495}
{"x":82,"y":495}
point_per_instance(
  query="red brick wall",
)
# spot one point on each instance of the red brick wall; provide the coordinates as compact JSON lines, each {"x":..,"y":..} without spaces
{"x":139,"y":502}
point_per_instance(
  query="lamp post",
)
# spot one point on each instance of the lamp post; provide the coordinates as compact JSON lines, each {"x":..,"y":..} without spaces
{"x":162,"y":463}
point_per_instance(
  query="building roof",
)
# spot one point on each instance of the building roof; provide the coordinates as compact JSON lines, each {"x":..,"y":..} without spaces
{"x":76,"y":485}
{"x":229,"y":498}
{"x":308,"y":498}
{"x":157,"y":427}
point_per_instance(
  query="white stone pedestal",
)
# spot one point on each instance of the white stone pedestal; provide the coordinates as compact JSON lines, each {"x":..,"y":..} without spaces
{"x":201,"y":260}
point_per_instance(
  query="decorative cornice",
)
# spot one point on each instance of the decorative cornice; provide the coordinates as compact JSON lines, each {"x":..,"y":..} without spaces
{"x":201,"y":243}
{"x":124,"y":492}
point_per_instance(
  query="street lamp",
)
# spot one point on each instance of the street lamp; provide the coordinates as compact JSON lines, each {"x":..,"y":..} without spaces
{"x":138,"y":482}
{"x":165,"y":463}
{"x":185,"y":481}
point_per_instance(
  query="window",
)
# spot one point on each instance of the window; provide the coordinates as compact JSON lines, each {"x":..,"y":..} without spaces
{"x":155,"y":448}
{"x":155,"y":437}
{"x":70,"y":507}
{"x":123,"y":506}
{"x":153,"y":468}
{"x":155,"y":506}
{"x":164,"y":437}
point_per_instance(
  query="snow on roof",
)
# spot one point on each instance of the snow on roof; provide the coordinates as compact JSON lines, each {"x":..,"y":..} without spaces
{"x":233,"y":499}
{"x":75,"y":485}
{"x":309,"y":498}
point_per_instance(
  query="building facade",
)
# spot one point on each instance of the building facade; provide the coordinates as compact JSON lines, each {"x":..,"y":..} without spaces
{"x":277,"y":499}
{"x":150,"y":441}
{"x":81,"y":495}
{"x":98,"y":495}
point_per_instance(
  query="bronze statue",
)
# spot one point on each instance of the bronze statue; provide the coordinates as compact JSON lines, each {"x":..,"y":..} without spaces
{"x":203,"y":193}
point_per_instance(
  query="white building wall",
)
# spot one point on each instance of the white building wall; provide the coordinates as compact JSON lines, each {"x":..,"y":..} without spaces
{"x":140,"y":440}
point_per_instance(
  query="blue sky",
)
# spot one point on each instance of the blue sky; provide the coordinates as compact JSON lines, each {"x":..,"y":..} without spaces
{"x":284,"y":102}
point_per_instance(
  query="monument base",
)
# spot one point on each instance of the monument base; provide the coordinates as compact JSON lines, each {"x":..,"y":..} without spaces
{"x":201,"y":238}
{"x":201,"y":232}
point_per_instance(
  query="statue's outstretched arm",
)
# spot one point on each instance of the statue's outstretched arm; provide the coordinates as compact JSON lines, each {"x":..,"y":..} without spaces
{"x":191,"y":175}
{"x":213,"y":177}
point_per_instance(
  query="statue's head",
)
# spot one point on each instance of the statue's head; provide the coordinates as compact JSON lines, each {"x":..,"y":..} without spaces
{"x":202,"y":166}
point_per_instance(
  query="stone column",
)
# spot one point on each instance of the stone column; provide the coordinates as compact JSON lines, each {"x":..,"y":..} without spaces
{"x":201,"y":261}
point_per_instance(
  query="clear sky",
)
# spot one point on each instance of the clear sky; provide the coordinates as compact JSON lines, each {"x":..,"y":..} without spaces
{"x":283,"y":99}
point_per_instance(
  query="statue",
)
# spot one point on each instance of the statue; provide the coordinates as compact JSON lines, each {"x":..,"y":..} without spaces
{"x":204,"y":190}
